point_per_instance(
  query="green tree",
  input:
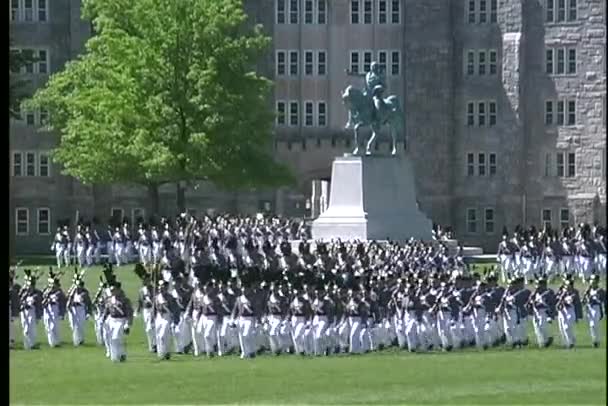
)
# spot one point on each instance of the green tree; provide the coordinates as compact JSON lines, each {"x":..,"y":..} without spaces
{"x":167,"y":91}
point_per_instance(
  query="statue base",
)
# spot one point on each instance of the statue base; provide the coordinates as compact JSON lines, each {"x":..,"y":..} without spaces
{"x":372,"y":198}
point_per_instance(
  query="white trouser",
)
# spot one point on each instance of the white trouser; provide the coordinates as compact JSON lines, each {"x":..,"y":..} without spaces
{"x":298,"y":324}
{"x":144,"y":254}
{"x":157,"y":252}
{"x":148,"y":318}
{"x":411,"y":330}
{"x":510,"y":326}
{"x":77,"y":316}
{"x":550,"y":267}
{"x":566,"y":319}
{"x":28,"y":325}
{"x":539,"y":321}
{"x":99,"y":331}
{"x":111,"y":252}
{"x":51,"y":324}
{"x":246,"y":326}
{"x":456,"y":332}
{"x":210,"y":333}
{"x":468,"y":328}
{"x":274,"y":333}
{"x":162,"y":324}
{"x":119,"y":254}
{"x":584,"y":267}
{"x":354,"y":323}
{"x":600,"y":264}
{"x":198,"y":342}
{"x":479,"y":323}
{"x":59,"y":255}
{"x":399,"y":327}
{"x":285,"y":334}
{"x":344,"y":334}
{"x":228,"y":337}
{"x":127,"y":256}
{"x":594,"y":313}
{"x":444,"y":320}
{"x":89,"y":255}
{"x":116,"y":329}
{"x":505,"y":266}
{"x":321,"y":325}
{"x":80,"y":255}
{"x":67,"y":251}
{"x":107,"y":337}
{"x":182,"y":334}
{"x":568,"y":264}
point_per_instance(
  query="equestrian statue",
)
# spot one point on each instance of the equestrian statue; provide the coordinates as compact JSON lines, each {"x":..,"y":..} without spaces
{"x":368,"y":108}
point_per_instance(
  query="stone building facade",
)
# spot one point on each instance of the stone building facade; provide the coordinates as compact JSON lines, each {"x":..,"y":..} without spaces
{"x":505,"y":104}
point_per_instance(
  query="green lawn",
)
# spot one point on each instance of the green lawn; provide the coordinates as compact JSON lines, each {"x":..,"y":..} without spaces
{"x":84,"y":376}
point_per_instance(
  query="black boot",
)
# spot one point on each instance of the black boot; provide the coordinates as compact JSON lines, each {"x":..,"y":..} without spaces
{"x":596,"y":345}
{"x":549,"y":342}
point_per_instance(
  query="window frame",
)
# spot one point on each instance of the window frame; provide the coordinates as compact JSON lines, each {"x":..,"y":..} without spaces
{"x":379,"y":12}
{"x":319,"y":13}
{"x":279,"y":12}
{"x":122,"y":214}
{"x":492,"y":166}
{"x":482,"y":164}
{"x":34,"y":164}
{"x":470,"y":221}
{"x":281,"y":116}
{"x":27,"y":221}
{"x":395,"y":13}
{"x":481,"y":115}
{"x":470,"y":164}
{"x":564,"y":223}
{"x":292,"y":13}
{"x":570,"y":165}
{"x":355,"y":13}
{"x":395,"y":72}
{"x":40,"y":165}
{"x":318,"y":62}
{"x":570,"y":113}
{"x":48,"y":221}
{"x":352,"y":64}
{"x":311,"y":53}
{"x":368,"y":16}
{"x":308,"y":103}
{"x":471,"y":14}
{"x":294,"y":64}
{"x":492,"y":221}
{"x":278,"y":62}
{"x":549,"y":113}
{"x":21,"y":163}
{"x":367,"y":53}
{"x":544,"y":222}
{"x":319,"y":115}
{"x":308,"y":13}
{"x":492,"y":117}
{"x":134,"y":217}
{"x":560,"y":164}
{"x":470,"y":114}
{"x":493,"y":11}
{"x":292,"y":115}
{"x":383,"y":65}
{"x":492,"y":62}
{"x":469,"y":62}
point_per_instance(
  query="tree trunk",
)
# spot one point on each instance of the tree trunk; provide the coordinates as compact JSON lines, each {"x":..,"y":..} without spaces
{"x":181,"y":198}
{"x":153,"y":199}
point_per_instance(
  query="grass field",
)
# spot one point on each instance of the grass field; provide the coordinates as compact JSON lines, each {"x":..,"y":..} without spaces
{"x":83,"y":375}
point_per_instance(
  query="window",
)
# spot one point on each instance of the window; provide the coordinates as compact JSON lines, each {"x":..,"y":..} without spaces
{"x":28,"y":10}
{"x":471,"y":221}
{"x":293,"y":63}
{"x":15,"y":15}
{"x":44,"y":117}
{"x":280,"y":11}
{"x":117,"y":214}
{"x":308,"y":11}
{"x":280,"y":112}
{"x":43,"y":165}
{"x":482,"y":63}
{"x":321,"y":12}
{"x":548,"y":112}
{"x":321,"y":63}
{"x":572,"y":61}
{"x":571,"y":165}
{"x":308,"y":63}
{"x":560,"y":164}
{"x":395,"y":62}
{"x":470,"y":164}
{"x":470,"y":63}
{"x":493,"y":61}
{"x":293,"y":11}
{"x":17,"y":164}
{"x":564,"y":218}
{"x":382,"y":12}
{"x":308,"y":114}
{"x":322,"y":114}
{"x":489,"y":221}
{"x":137,"y":215}
{"x":293,"y":113}
{"x":560,"y":61}
{"x":367,"y":61}
{"x":395,"y":12}
{"x":42,"y":16}
{"x":354,"y":61}
{"x":549,"y":14}
{"x":22,"y":220}
{"x":29,"y":66}
{"x":561,"y":10}
{"x":546,"y":218}
{"x":43,"y":65}
{"x":471,"y":12}
{"x":354,"y":11}
{"x":481,"y":164}
{"x":571,"y":112}
{"x":382,"y":60}
{"x":572,"y":10}
{"x":470,"y":114}
{"x":481,"y":114}
{"x":492,"y":164}
{"x":560,"y":112}
{"x":493,"y":10}
{"x":30,"y":118}
{"x":30,"y":164}
{"x":44,"y":221}
{"x":280,"y":63}
{"x":367,"y":11}
{"x":549,"y":61}
{"x":492,"y":110}
{"x":483,"y":13}
{"x":548,"y":163}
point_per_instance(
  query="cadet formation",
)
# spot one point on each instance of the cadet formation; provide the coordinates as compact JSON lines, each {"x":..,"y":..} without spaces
{"x":236,"y":285}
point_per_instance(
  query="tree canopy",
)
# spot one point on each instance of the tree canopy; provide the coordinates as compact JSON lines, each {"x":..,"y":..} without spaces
{"x":166,"y":91}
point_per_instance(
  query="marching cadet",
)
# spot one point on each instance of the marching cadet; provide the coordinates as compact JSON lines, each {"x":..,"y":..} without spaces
{"x":194,"y":312}
{"x":156,"y":246}
{"x":79,"y":308}
{"x":128,"y":244}
{"x":300,"y":315}
{"x":67,"y":248}
{"x":167,"y":312}
{"x":119,"y":316}
{"x":323,"y":307}
{"x":569,"y":311}
{"x":210,"y":319}
{"x":30,"y":310}
{"x":59,"y":245}
{"x":182,"y":332}
{"x":119,"y":247}
{"x":495,"y":323}
{"x":145,"y":304}
{"x":412,"y":306}
{"x":143,"y":246}
{"x":13,"y":295}
{"x":245,"y":314}
{"x":54,"y":307}
{"x":92,"y":253}
{"x":353,"y":311}
{"x":277,"y":309}
{"x":81,"y":246}
{"x":594,"y":300}
{"x":542,"y":303}
{"x":504,"y":257}
{"x":479,"y":302}
{"x":98,"y":304}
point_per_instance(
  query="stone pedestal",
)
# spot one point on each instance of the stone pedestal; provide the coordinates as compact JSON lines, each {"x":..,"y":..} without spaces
{"x":372,"y":198}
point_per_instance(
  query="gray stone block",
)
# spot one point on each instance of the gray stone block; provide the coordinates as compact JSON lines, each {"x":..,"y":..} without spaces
{"x":372,"y":198}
